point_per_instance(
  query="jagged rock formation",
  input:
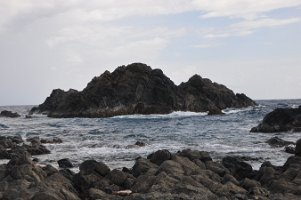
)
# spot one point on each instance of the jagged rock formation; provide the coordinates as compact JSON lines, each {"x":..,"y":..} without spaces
{"x":280,"y":120}
{"x":137,"y":89}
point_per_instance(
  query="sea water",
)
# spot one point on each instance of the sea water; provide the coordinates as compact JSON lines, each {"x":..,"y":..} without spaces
{"x":112,"y":140}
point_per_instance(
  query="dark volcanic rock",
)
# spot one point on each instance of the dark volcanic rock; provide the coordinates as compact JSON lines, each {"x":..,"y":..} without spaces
{"x":137,"y":89}
{"x":90,"y":166}
{"x":280,"y":120}
{"x":12,"y":145}
{"x":54,"y":140}
{"x":140,"y":144}
{"x":201,"y":95}
{"x":37,"y":149}
{"x":27,"y":181}
{"x":237,"y":167}
{"x":290,"y":149}
{"x":277,"y":142}
{"x":65,"y":163}
{"x":159,"y":156}
{"x":6,"y":113}
{"x":117,"y":177}
{"x":298,"y":148}
{"x":180,"y":177}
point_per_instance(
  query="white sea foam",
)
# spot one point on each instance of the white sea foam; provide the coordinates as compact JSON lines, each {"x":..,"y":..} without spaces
{"x":176,"y":114}
{"x":295,"y":106}
{"x":236,"y":110}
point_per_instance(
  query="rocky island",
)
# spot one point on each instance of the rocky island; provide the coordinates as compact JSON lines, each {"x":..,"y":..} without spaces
{"x":139,"y":89}
{"x":280,"y":120}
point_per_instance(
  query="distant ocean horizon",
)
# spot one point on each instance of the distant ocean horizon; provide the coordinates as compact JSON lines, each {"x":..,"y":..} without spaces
{"x":112,"y":140}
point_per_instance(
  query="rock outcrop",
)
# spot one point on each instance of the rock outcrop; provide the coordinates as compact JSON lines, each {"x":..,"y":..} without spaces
{"x":137,"y":89}
{"x":9,"y":114}
{"x":280,"y":120}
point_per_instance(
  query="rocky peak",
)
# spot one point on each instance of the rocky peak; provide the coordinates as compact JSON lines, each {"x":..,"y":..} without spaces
{"x":139,"y":89}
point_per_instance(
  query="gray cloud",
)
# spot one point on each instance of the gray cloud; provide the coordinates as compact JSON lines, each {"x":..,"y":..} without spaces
{"x":49,"y":44}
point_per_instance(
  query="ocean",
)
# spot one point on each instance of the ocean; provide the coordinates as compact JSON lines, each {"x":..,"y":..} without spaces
{"x":112,"y":140}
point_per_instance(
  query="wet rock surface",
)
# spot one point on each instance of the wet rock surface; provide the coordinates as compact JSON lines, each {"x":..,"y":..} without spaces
{"x":280,"y":120}
{"x":65,"y":163}
{"x":9,"y":114}
{"x":277,"y":142}
{"x":12,"y":145}
{"x":187,"y":174}
{"x":138,"y":89}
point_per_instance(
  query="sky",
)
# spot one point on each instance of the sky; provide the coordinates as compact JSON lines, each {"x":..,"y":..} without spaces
{"x":251,"y":46}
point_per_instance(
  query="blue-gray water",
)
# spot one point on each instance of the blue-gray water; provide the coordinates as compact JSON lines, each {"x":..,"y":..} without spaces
{"x":111,"y":139}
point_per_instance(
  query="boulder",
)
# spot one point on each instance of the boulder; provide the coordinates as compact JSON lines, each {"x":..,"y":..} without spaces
{"x":49,"y":170}
{"x":67,"y":173}
{"x":117,"y":177}
{"x":54,"y":140}
{"x":84,"y":182}
{"x":194,"y":154}
{"x":139,"y":89}
{"x":281,"y":120}
{"x":9,"y":114}
{"x":159,"y":156}
{"x":277,"y":142}
{"x":20,"y":159}
{"x":16,"y":139}
{"x":91,"y":166}
{"x":290,"y":149}
{"x":37,"y":149}
{"x":34,"y":140}
{"x":237,"y":167}
{"x":142,"y":166}
{"x":65,"y":163}
{"x":140,"y":144}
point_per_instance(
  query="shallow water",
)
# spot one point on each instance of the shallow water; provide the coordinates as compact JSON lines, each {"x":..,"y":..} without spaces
{"x":111,"y":139}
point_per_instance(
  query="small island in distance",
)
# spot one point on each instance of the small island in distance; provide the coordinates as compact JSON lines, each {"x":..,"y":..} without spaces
{"x":139,"y":89}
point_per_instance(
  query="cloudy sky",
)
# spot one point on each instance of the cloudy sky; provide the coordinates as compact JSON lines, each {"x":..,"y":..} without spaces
{"x":251,"y":46}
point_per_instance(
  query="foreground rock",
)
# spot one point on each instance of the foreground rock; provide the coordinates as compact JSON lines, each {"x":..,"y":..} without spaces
{"x":65,"y":163}
{"x":137,"y":89}
{"x":280,"y":120}
{"x":22,"y":179}
{"x":10,"y":114}
{"x":185,"y":175}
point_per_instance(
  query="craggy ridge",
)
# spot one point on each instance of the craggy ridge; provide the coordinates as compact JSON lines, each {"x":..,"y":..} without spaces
{"x":138,"y":89}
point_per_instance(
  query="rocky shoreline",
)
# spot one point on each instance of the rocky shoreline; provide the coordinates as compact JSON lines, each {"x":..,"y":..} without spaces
{"x":187,"y":174}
